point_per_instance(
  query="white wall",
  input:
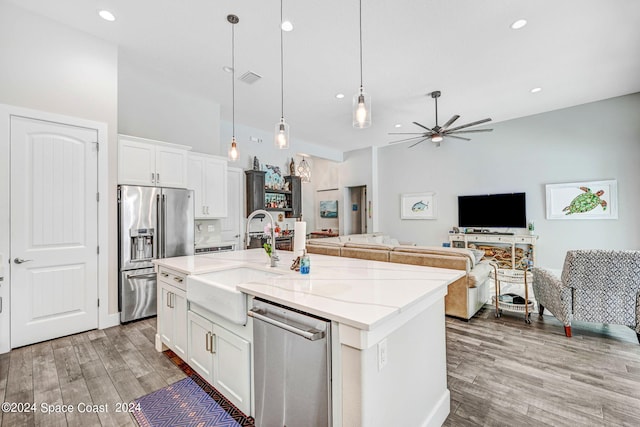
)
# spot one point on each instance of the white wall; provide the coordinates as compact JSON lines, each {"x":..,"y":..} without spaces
{"x":359,"y":168}
{"x":150,"y":107}
{"x":593,"y":141}
{"x":53,"y":68}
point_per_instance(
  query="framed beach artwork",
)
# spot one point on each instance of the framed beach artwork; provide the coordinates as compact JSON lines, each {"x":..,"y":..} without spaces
{"x":328,"y":209}
{"x":418,"y":206}
{"x":583,"y":200}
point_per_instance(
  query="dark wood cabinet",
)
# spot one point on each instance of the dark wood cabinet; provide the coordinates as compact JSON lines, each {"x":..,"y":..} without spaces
{"x":287,"y":201}
{"x":294,"y":199}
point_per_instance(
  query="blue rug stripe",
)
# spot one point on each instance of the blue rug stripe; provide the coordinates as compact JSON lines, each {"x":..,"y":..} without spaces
{"x":183,"y":404}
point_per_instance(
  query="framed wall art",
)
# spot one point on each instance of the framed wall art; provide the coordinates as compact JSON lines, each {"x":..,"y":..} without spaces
{"x":328,"y":209}
{"x":583,"y":200}
{"x":418,"y":206}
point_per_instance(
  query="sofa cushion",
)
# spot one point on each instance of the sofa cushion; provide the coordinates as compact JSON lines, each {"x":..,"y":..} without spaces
{"x":438,"y":250}
{"x":329,"y":241}
{"x":478,"y":254}
{"x":433,"y":260}
{"x":368,"y":246}
{"x":479,"y":273}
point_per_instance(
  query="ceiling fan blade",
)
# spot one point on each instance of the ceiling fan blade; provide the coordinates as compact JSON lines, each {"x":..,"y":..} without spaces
{"x":470,"y":124}
{"x":406,"y":133}
{"x":422,"y":126}
{"x":456,"y":137}
{"x":450,"y":122}
{"x":470,"y":131}
{"x":408,"y":139}
{"x":413,"y":145}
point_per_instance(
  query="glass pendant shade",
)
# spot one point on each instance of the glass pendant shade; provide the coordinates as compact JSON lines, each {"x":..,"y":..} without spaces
{"x":233,"y":151}
{"x":281,"y":139}
{"x":361,"y":110}
{"x":304,"y":171}
{"x":436,"y":138}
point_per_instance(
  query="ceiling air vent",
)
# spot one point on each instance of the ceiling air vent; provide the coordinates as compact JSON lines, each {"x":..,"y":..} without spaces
{"x":250,"y":77}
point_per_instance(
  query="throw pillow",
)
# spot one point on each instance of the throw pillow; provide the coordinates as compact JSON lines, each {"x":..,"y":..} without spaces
{"x":478,"y":254}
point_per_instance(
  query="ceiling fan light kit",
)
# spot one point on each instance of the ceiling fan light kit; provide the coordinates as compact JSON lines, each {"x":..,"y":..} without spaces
{"x":438,"y":133}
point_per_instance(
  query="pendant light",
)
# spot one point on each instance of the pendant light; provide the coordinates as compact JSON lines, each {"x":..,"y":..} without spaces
{"x":304,"y":170}
{"x":281,"y":136}
{"x":361,"y":100}
{"x":233,"y":149}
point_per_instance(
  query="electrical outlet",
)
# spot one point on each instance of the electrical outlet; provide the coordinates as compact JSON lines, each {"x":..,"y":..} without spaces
{"x":211,"y":228}
{"x":383,"y":354}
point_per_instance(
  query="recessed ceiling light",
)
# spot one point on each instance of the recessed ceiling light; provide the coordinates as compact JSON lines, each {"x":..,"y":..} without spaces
{"x":536,"y":89}
{"x":398,"y":125}
{"x":227,"y":69}
{"x":107,"y":16}
{"x":519,"y":24}
{"x":286,"y":26}
{"x":339,"y":95}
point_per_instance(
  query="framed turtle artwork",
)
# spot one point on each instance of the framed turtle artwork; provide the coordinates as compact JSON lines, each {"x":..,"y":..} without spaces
{"x":418,"y":206}
{"x":583,"y":200}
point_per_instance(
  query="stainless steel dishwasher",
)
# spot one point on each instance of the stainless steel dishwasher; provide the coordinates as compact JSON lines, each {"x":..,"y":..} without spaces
{"x":292,"y":367}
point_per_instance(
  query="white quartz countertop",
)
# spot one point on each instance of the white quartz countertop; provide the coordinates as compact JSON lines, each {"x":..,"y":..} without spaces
{"x":355,"y":292}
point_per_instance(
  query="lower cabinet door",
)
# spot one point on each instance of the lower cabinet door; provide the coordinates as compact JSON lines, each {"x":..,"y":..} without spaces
{"x":165,"y":315}
{"x":199,"y":340}
{"x":232,"y":368}
{"x":180,"y":328}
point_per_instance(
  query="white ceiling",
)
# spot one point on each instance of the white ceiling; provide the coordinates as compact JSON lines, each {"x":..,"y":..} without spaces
{"x":578,"y":51}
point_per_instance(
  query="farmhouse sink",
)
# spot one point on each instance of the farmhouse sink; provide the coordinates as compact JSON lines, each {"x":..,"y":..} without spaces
{"x":216,"y":291}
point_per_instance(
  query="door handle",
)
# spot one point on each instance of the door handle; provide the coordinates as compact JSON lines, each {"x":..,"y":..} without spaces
{"x":207,"y":342}
{"x":20,"y":260}
{"x":153,"y":177}
{"x":157,"y":178}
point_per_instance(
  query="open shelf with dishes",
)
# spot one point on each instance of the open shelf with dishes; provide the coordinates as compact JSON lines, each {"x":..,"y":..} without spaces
{"x":262,"y":196}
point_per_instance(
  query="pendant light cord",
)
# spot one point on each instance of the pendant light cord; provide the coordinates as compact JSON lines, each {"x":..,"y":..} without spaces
{"x":281,"y":66}
{"x":360,"y":45}
{"x":233,"y":80}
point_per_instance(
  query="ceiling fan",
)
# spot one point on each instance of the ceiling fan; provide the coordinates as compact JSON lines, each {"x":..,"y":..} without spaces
{"x":437,"y":133}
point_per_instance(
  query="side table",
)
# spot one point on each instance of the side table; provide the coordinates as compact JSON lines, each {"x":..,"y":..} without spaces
{"x":512,"y":276}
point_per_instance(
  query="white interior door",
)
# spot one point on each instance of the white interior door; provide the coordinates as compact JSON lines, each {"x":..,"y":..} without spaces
{"x":54,"y":230}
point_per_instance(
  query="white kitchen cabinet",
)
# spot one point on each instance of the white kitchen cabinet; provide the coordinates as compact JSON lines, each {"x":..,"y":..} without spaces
{"x":222,"y":358}
{"x":172,"y":311}
{"x":231,"y":226}
{"x":207,"y":177}
{"x":152,"y":163}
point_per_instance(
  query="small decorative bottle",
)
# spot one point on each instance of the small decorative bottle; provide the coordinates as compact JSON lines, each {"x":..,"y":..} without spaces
{"x":292,"y":168}
{"x":305,"y":263}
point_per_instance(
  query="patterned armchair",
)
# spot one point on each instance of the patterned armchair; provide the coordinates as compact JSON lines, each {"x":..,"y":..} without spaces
{"x":600,"y":286}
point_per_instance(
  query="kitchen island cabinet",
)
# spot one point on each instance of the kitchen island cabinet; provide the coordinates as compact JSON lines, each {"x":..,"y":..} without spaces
{"x":387,"y":330}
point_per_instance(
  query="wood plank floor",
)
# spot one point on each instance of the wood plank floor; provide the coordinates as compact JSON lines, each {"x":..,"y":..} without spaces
{"x":502,"y":372}
{"x":103,"y":367}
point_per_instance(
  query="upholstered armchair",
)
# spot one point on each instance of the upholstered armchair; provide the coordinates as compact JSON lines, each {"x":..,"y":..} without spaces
{"x":600,"y":286}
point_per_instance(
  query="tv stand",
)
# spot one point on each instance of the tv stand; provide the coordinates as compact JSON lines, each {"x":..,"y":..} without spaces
{"x":499,"y":233}
{"x":463,"y":240}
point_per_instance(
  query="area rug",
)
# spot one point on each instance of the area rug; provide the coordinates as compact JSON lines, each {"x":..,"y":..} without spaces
{"x":183,"y":403}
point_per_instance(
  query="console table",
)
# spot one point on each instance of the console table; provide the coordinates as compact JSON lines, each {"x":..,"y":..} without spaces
{"x":491,"y":239}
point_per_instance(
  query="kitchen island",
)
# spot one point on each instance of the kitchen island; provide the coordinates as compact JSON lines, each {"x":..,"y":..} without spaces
{"x":387,"y":329}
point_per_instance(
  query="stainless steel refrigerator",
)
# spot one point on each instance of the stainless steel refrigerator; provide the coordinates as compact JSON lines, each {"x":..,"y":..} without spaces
{"x":153,"y":223}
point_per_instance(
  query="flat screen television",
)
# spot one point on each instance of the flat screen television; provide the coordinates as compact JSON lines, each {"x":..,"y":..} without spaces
{"x":492,"y":211}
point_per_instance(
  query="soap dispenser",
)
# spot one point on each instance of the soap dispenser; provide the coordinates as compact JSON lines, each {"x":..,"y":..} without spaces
{"x":305,"y":263}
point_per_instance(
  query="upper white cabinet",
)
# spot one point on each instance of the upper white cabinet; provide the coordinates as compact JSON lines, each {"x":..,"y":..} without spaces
{"x":152,"y":163}
{"x":207,"y":177}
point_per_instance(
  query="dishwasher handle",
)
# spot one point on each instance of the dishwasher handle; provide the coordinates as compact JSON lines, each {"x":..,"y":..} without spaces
{"x":312,"y":335}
